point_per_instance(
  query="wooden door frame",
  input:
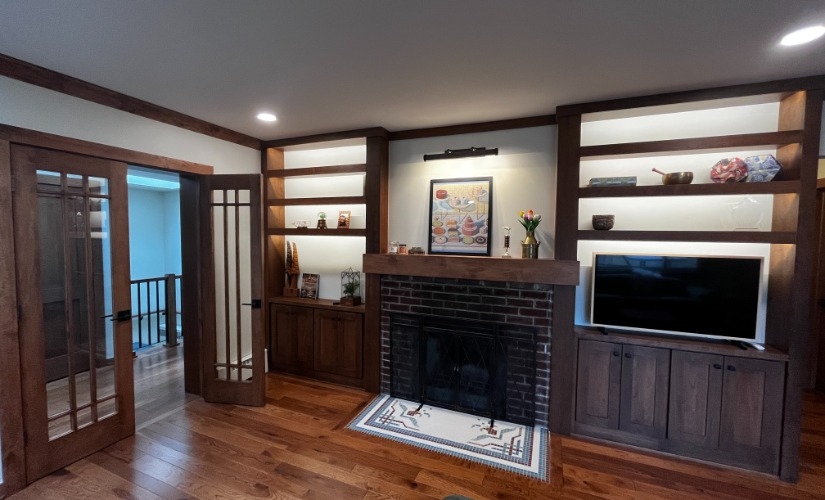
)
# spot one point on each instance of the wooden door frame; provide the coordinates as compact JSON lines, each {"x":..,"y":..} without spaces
{"x":11,"y":412}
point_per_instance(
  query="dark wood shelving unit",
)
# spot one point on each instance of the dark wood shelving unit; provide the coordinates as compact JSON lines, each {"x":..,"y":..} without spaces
{"x":358,"y":168}
{"x":776,"y":237}
{"x":776,"y":187}
{"x":308,"y":231}
{"x":355,"y":343}
{"x":317,"y":200}
{"x":763,"y":139}
{"x":773,"y":447}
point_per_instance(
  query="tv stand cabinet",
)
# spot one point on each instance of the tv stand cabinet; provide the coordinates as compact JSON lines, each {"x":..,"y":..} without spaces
{"x":710,"y":401}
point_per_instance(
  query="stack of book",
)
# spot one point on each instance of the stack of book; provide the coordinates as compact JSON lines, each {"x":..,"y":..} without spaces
{"x":613,"y":181}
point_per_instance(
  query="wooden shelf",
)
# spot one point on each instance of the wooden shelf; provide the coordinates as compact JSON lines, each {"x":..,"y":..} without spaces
{"x":697,"y":143}
{"x":307,"y":231}
{"x":711,"y":346}
{"x":317,"y":304}
{"x":359,"y":168}
{"x":778,"y":187}
{"x":545,"y":271}
{"x":691,"y":236}
{"x":319,"y":200}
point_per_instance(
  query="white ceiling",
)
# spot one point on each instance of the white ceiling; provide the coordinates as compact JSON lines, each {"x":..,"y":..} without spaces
{"x":332,"y":65}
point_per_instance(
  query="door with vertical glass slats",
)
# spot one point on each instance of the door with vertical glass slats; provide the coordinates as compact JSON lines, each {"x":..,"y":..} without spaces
{"x":232,"y":268}
{"x":72,"y":260}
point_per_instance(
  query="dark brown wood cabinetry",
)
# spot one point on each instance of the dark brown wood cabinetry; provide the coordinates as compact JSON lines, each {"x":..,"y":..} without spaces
{"x":339,"y":345}
{"x":759,"y":398}
{"x":622,"y":387}
{"x":292,"y":338}
{"x":314,"y":338}
{"x":707,"y":405}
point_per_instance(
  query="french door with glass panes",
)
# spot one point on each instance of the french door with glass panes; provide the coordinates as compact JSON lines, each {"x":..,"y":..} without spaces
{"x":72,"y":264}
{"x":232,"y":344}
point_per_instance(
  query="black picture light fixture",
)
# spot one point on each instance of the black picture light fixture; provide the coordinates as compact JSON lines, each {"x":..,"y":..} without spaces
{"x":461,"y":153}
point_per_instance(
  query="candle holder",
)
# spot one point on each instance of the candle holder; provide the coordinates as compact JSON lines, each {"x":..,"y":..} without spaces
{"x":506,"y":243}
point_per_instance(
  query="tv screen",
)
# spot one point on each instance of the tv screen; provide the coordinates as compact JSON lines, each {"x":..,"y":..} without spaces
{"x":709,"y":296}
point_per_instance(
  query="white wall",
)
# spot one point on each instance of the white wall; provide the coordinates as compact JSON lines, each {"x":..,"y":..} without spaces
{"x":524,"y":177}
{"x":28,"y":106}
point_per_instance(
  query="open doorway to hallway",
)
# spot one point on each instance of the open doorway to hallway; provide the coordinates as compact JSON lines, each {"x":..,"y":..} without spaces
{"x":155,"y":250}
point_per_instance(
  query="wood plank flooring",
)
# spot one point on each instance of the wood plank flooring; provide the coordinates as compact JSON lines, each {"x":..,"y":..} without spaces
{"x":297,"y":446}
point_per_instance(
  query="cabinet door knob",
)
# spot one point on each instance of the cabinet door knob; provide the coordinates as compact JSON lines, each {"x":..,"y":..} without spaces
{"x":627,"y":355}
{"x":731,"y":368}
{"x":717,"y":366}
{"x":616,"y":353}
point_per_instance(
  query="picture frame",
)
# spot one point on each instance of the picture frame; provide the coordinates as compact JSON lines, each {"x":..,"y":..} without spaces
{"x":461,"y":215}
{"x":343,"y":219}
{"x":309,"y":286}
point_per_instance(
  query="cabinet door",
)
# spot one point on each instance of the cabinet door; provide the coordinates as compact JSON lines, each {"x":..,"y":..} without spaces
{"x":339,"y":343}
{"x":752,"y":396}
{"x":644,"y":390}
{"x":597,"y":387}
{"x":292,"y":338}
{"x":695,"y":399}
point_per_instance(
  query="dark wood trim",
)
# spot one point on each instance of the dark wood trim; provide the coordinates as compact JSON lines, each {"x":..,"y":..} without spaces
{"x":330,"y":136}
{"x":17,"y":135}
{"x":781,"y":237}
{"x":190,"y":282}
{"x":802,"y":290}
{"x":332,"y":305}
{"x":776,"y":187}
{"x":11,"y":410}
{"x":52,"y":80}
{"x":327,"y":170}
{"x":300,"y":231}
{"x":319,"y":200}
{"x":545,"y":271}
{"x":707,"y":346}
{"x":777,"y":86}
{"x":820,"y":183}
{"x":474,"y":128}
{"x":563,"y":345}
{"x":694,"y":143}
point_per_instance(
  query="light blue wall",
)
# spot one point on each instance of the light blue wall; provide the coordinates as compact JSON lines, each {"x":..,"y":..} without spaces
{"x":154,"y":233}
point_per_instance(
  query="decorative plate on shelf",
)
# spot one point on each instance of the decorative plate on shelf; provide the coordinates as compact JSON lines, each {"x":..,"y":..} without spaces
{"x":729,"y":170}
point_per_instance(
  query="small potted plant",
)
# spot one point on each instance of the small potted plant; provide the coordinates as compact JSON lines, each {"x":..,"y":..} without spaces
{"x":350,"y":283}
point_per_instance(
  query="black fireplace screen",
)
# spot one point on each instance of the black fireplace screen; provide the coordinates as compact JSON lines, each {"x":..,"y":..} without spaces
{"x":470,"y":366}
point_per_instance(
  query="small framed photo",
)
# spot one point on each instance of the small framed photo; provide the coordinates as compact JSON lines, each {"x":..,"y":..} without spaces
{"x":461,"y":212}
{"x":309,"y":286}
{"x":343,"y":219}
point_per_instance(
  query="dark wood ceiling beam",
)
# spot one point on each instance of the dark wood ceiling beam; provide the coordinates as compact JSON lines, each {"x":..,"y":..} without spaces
{"x":52,"y":80}
{"x":17,"y":135}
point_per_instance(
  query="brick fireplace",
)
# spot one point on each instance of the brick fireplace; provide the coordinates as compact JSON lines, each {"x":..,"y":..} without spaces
{"x":508,"y":295}
{"x":519,"y":311}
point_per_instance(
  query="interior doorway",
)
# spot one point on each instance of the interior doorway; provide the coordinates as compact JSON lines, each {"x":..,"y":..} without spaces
{"x":156,"y":274}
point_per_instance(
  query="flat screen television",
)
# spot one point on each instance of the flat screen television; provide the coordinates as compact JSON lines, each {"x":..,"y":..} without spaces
{"x":708,"y":296}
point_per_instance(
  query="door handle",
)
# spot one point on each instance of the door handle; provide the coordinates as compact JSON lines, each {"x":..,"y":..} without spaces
{"x":124,"y":315}
{"x":256,"y":303}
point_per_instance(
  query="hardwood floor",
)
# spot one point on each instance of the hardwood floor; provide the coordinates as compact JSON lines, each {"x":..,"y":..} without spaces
{"x":298,"y":446}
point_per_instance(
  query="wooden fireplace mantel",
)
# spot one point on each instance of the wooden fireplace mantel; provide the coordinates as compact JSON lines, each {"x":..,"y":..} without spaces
{"x":544,"y":271}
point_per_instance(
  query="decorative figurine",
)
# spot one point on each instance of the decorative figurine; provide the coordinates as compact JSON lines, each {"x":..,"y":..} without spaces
{"x":506,"y":243}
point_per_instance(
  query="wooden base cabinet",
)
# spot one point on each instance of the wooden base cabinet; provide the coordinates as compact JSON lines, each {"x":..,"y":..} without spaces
{"x":727,"y":409}
{"x":624,"y":388}
{"x":715,"y":407}
{"x":318,"y":341}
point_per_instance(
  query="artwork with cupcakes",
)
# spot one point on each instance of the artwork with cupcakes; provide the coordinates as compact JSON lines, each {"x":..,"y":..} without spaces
{"x":460,"y":216}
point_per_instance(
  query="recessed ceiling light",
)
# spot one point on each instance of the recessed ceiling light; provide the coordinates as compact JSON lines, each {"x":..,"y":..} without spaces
{"x":267,"y":117}
{"x":804,"y":35}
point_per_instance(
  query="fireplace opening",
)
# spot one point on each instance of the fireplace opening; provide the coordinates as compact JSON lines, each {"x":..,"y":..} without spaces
{"x":486,"y":369}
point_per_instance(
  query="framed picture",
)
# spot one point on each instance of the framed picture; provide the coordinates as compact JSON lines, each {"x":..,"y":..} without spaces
{"x":461,"y":212}
{"x":309,"y":286}
{"x":343,"y":219}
